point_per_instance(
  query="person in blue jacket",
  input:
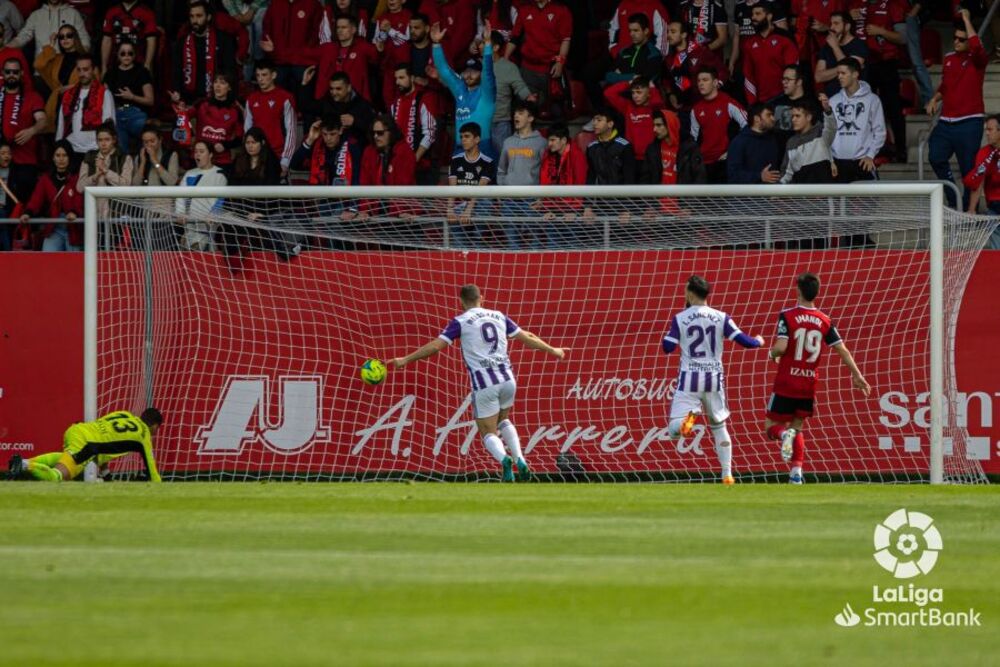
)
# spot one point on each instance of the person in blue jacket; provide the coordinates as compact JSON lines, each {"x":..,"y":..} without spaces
{"x":754,"y":156}
{"x":475,"y":92}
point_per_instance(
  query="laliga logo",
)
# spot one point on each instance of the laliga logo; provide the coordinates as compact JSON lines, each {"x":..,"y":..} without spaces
{"x":906,"y":544}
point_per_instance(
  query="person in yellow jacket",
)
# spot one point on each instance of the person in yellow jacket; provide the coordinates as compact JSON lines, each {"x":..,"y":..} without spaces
{"x":101,"y":440}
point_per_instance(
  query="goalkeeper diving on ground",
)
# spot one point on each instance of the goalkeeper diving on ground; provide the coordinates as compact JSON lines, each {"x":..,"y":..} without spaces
{"x":98,"y":441}
{"x":483,"y":334}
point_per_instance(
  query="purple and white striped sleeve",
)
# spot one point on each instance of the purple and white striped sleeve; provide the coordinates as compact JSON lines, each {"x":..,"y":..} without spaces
{"x":452,"y":332}
{"x":673,"y":337}
{"x":512,"y":328}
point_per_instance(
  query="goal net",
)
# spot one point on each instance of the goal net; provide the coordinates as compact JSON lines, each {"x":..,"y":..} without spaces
{"x":245,"y":314}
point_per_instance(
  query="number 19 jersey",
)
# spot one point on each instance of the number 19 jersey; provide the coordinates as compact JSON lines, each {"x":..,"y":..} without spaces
{"x":700,"y":332}
{"x":806,"y":330}
{"x":484,"y":335}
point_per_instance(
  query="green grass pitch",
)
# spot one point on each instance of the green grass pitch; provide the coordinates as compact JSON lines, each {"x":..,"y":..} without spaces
{"x":465,"y":574}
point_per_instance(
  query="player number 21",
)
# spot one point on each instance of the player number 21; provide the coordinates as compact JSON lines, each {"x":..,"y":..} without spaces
{"x":807,"y":340}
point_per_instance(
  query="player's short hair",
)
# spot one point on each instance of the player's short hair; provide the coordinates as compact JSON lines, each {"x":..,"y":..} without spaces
{"x":526,"y":105}
{"x":262,"y":64}
{"x":681,"y":24}
{"x":200,"y":3}
{"x":559,"y":130}
{"x":995,"y":117}
{"x":707,"y":69}
{"x":151,"y":417}
{"x":847,"y":19}
{"x":419,"y":16}
{"x":800,"y":71}
{"x":850,"y":63}
{"x":471,"y":128}
{"x":88,"y":57}
{"x":607,"y":114}
{"x":331,"y":122}
{"x":807,"y":106}
{"x":408,"y":66}
{"x":640,"y":20}
{"x":639,"y":82}
{"x":699,"y":287}
{"x":353,"y":20}
{"x":470,"y":293}
{"x":757,"y":109}
{"x":340,"y":76}
{"x":808,"y":284}
{"x":107,"y":127}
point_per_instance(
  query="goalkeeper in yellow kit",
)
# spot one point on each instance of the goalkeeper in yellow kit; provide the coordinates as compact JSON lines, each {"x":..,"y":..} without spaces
{"x":101,"y":440}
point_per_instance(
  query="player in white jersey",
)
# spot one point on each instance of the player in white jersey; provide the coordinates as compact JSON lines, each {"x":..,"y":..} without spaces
{"x":700,"y":332}
{"x":484,"y":335}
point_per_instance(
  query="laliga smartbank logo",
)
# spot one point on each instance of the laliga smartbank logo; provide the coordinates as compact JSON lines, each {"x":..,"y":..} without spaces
{"x":907,"y":544}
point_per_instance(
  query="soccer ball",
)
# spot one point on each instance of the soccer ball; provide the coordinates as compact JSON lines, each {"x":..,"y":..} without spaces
{"x":373,"y":371}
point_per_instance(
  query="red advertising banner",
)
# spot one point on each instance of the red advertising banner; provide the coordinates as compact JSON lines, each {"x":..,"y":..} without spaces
{"x":258,"y":372}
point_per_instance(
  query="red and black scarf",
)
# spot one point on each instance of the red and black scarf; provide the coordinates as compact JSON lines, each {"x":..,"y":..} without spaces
{"x":343,"y":169}
{"x":189,"y":62}
{"x":93,"y":106}
{"x":10,"y":129}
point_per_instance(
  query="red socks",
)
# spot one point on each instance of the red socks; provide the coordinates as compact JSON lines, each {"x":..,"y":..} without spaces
{"x":798,"y":449}
{"x":774,"y":431}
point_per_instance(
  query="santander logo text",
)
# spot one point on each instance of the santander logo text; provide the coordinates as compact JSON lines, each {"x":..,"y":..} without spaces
{"x":902,"y":411}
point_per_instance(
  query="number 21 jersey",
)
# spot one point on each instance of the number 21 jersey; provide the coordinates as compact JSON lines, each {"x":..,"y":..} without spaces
{"x":806,"y":330}
{"x":700,"y":331}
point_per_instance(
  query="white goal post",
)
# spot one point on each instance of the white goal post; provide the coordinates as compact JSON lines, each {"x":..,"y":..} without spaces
{"x":415,"y":237}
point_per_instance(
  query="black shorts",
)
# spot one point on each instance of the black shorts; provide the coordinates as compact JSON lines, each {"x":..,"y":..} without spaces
{"x":784,"y":408}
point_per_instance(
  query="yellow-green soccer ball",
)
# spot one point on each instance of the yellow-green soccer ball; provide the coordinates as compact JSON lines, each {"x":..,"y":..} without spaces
{"x":373,"y":372}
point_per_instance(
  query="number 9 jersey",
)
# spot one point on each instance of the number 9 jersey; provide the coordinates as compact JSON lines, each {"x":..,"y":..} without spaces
{"x":806,"y":330}
{"x":484,"y":335}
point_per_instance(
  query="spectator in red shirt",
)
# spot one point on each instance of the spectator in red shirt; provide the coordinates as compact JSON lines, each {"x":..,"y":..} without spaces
{"x":960,"y":97}
{"x":292,"y":34}
{"x":562,"y":164}
{"x":218,"y":121}
{"x":712,"y":118}
{"x":200,"y":54}
{"x":23,"y":116}
{"x":458,"y":19}
{"x":682,"y":61}
{"x":638,"y":110}
{"x":984,"y":177}
{"x":272,"y":109}
{"x":882,"y":23}
{"x":542,"y":37}
{"x":392,"y":40}
{"x":388,"y":160}
{"x":129,"y":22}
{"x":765,"y":57}
{"x":57,"y":196}
{"x":348,"y":8}
{"x":350,"y":54}
{"x":415,"y":113}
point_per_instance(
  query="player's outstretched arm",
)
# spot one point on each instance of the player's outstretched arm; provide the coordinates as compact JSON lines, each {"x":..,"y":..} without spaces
{"x":856,"y":376}
{"x":428,"y":350}
{"x":536,"y":343}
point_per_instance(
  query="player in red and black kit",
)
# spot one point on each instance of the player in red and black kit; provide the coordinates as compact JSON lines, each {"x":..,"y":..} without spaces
{"x":808,"y":329}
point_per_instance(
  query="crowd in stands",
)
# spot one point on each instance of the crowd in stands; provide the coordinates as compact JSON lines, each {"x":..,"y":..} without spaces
{"x":471,"y":92}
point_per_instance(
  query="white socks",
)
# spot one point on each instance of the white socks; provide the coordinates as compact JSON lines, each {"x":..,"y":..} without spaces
{"x":495,"y":447}
{"x":796,"y":470}
{"x":509,"y":435}
{"x":723,"y":448}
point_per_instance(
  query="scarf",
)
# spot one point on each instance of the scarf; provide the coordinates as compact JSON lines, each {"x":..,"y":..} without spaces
{"x":680,"y":57}
{"x":12,"y":128}
{"x":407,"y":116}
{"x":92,"y":111}
{"x":668,"y":162}
{"x":190,"y":62}
{"x":343,"y":170}
{"x":701,"y":30}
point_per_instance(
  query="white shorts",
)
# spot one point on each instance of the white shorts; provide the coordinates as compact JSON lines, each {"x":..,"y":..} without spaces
{"x":491,"y":400}
{"x":710,"y":403}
